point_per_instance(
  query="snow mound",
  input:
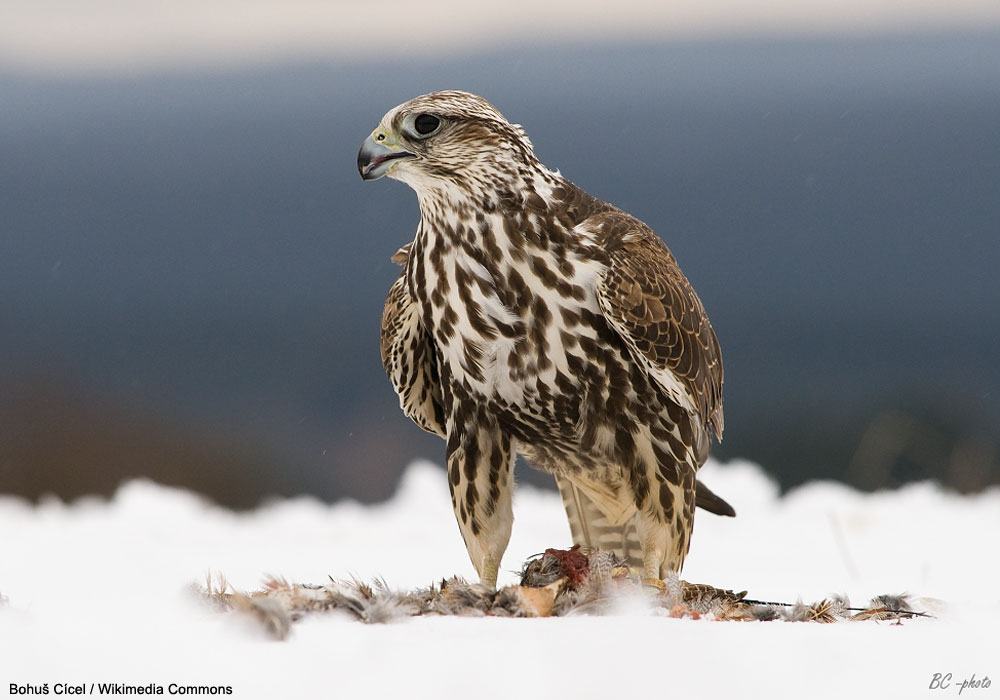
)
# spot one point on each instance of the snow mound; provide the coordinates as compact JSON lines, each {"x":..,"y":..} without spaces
{"x":98,"y":591}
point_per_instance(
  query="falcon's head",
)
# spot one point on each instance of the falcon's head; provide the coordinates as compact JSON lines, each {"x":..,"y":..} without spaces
{"x":444,"y":140}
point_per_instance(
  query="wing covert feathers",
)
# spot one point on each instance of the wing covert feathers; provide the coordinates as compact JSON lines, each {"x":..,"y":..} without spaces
{"x":651,"y":304}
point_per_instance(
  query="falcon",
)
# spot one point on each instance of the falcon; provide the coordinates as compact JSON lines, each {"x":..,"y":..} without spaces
{"x":532,"y":318}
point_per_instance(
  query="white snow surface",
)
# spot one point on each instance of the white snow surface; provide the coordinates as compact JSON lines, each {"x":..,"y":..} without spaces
{"x":98,"y":591}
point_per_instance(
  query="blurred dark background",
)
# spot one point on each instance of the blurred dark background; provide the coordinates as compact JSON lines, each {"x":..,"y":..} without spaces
{"x":192,"y":272}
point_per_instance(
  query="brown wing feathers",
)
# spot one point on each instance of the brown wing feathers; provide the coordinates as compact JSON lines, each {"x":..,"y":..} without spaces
{"x":646,"y":295}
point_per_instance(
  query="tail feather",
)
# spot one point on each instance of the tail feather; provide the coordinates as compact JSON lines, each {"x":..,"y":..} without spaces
{"x":705,"y":498}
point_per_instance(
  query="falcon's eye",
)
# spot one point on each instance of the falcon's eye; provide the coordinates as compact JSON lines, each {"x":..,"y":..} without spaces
{"x":426,"y":124}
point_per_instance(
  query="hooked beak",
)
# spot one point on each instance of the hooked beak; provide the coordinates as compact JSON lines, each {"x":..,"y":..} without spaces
{"x":375,"y":158}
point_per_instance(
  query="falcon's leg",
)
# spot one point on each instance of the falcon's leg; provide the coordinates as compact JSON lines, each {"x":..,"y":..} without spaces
{"x":664,"y":489}
{"x":480,"y":474}
{"x":611,"y":528}
{"x":595,"y":522}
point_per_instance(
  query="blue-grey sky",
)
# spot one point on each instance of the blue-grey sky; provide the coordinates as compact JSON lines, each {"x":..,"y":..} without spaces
{"x":192,"y":273}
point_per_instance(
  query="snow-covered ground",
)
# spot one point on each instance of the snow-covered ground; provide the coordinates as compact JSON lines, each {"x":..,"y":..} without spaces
{"x":97,"y":592}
